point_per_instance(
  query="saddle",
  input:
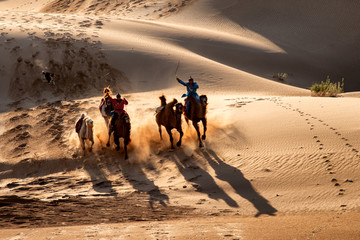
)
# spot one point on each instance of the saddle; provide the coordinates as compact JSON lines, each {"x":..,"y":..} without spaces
{"x":159,"y":109}
{"x":78,"y":125}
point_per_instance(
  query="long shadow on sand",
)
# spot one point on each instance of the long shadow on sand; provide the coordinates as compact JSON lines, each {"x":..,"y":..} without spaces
{"x":98,"y":177}
{"x":239,"y":183}
{"x":42,"y":168}
{"x":138,"y":179}
{"x":203,"y":181}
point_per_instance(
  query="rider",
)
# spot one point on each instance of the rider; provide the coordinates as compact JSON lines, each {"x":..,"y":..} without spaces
{"x":118,"y":104}
{"x":107,"y":93}
{"x":191,"y":87}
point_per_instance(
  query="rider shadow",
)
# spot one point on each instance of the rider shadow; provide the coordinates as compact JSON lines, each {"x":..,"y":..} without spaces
{"x":203,"y":181}
{"x":239,"y":183}
{"x":139,"y":181}
{"x":98,"y":177}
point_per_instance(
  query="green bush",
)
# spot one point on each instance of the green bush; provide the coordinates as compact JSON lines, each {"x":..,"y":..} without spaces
{"x":281,"y":76}
{"x":327,"y":88}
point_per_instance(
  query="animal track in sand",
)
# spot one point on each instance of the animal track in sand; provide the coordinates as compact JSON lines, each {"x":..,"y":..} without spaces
{"x":329,"y":165}
{"x":312,"y":125}
{"x":239,"y":102}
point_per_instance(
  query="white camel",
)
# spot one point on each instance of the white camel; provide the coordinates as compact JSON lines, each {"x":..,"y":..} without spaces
{"x":86,"y":133}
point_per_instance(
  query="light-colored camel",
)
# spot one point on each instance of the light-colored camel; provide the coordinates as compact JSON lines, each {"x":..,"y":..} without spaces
{"x":106,"y":106}
{"x":86,"y":133}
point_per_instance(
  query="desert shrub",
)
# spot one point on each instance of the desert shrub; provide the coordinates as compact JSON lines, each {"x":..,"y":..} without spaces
{"x":327,"y":88}
{"x":281,"y":76}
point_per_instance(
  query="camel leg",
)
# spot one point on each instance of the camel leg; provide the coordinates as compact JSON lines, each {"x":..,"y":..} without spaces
{"x":187,"y":120}
{"x":92,"y":144}
{"x":117,"y":142}
{"x":196,"y":126}
{"x":108,"y":142}
{"x":171,"y":137}
{"x":82,"y":144}
{"x":106,"y":122}
{"x":204,"y":121}
{"x":160,"y":131}
{"x":126,"y":142}
{"x":181,"y":135}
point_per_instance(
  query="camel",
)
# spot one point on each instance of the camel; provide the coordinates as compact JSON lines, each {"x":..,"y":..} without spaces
{"x":196,"y":114}
{"x":86,"y":133}
{"x":169,"y":118}
{"x":106,"y":106}
{"x":121,"y":130}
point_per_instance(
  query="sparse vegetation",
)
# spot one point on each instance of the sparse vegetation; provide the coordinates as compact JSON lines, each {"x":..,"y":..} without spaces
{"x":281,"y":76}
{"x":327,"y":88}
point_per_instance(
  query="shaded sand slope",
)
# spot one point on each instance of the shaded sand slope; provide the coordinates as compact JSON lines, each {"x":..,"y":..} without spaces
{"x":308,"y":41}
{"x":151,"y":54}
{"x":130,"y":55}
{"x":318,"y":38}
{"x":34,"y":42}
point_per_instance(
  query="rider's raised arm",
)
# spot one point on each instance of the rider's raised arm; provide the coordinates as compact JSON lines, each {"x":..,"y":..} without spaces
{"x":125,"y":101}
{"x":181,"y":82}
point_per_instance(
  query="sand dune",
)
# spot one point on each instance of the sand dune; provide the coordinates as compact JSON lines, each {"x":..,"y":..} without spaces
{"x":277,"y":163}
{"x":319,"y":39}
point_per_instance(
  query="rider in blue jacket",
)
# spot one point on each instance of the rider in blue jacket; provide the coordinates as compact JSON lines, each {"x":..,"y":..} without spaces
{"x":191,"y":87}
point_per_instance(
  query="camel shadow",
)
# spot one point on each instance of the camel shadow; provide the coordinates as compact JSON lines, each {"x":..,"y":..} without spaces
{"x":139,"y":181}
{"x":43,"y":168}
{"x":98,"y":178}
{"x":203,"y":181}
{"x":239,"y":183}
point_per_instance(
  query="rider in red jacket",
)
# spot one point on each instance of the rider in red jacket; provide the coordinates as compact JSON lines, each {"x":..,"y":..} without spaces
{"x":118,"y":104}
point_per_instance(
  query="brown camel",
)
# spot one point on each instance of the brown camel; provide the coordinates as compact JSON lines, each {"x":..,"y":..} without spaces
{"x":196,"y":114}
{"x":170,"y":118}
{"x":121,"y":129}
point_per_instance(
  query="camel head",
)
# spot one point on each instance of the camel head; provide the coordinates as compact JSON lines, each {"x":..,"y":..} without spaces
{"x":203,"y":100}
{"x":162,"y":100}
{"x":90,"y":123}
{"x":173,"y":102}
{"x":179,"y":108}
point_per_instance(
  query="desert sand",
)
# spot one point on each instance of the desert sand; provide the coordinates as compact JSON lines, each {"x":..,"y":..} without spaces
{"x":276,"y":163}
